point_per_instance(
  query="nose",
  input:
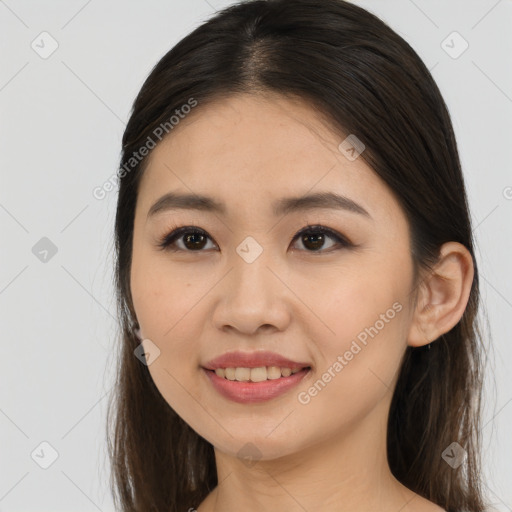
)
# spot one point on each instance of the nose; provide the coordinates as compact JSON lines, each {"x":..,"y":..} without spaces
{"x":252,"y":297}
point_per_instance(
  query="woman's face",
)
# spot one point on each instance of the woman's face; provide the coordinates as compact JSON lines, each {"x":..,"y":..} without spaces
{"x":248,"y":283}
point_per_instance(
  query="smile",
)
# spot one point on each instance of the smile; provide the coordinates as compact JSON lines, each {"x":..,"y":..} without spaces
{"x":253,"y":385}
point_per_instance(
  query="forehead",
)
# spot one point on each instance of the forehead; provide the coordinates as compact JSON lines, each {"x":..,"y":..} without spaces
{"x":251,"y":150}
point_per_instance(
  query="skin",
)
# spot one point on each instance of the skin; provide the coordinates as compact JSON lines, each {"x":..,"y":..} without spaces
{"x":329,"y":454}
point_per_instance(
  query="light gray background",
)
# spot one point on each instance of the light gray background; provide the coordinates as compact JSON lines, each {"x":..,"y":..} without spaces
{"x":61,"y":123}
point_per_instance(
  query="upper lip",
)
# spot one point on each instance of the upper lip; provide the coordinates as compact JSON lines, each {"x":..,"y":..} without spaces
{"x":239,"y":359}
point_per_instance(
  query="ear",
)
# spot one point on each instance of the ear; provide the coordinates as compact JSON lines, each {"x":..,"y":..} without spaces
{"x":443,"y":295}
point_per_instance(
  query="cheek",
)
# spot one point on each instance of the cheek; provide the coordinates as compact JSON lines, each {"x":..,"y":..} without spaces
{"x":167,"y":306}
{"x":364,"y":316}
{"x":347,"y":302}
{"x":358,"y":365}
{"x":163,"y":296}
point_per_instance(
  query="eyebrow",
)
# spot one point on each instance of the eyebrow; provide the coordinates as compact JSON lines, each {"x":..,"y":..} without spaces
{"x":319,"y":200}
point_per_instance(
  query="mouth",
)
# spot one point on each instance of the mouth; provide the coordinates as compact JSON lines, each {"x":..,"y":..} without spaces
{"x":259,"y":374}
{"x":253,"y":385}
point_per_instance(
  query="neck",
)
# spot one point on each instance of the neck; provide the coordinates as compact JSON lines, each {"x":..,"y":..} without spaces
{"x":346,"y":472}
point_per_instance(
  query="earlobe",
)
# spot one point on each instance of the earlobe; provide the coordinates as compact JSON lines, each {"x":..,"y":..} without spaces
{"x":443,"y":295}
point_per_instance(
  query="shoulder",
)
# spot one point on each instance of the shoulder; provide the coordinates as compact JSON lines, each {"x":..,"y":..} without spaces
{"x":420,"y":504}
{"x":429,"y":506}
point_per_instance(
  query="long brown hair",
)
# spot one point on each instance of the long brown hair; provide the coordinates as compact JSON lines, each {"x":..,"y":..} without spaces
{"x":365,"y":80}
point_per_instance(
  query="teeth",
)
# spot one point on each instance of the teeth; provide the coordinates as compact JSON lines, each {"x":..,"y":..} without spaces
{"x":255,"y":374}
{"x":243,"y":374}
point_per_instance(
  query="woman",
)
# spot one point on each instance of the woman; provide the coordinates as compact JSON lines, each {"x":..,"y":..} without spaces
{"x":296,"y":277}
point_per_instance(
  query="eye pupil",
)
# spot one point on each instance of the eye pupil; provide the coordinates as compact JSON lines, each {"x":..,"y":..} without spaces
{"x":318,"y":240}
{"x":195,"y":245}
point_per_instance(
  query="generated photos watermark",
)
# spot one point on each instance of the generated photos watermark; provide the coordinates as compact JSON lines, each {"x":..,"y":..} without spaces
{"x":305,"y":397}
{"x":100,"y":192}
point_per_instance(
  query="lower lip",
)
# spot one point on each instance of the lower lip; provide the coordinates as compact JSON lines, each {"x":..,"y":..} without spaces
{"x":254,"y":392}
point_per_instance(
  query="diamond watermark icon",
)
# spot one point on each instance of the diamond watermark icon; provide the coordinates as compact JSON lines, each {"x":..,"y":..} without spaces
{"x":44,"y":455}
{"x":454,"y":455}
{"x":147,"y":352}
{"x":249,"y":454}
{"x":249,"y":249}
{"x":454,"y":45}
{"x":351,"y":147}
{"x":44,"y":45}
{"x":44,"y":250}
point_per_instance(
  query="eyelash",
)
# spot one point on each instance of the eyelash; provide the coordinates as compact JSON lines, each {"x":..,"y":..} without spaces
{"x":176,"y":232}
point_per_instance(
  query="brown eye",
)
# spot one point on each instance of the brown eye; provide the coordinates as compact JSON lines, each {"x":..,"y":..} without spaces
{"x":193,"y":239}
{"x":314,"y":237}
{"x":313,"y":241}
{"x":196,"y":241}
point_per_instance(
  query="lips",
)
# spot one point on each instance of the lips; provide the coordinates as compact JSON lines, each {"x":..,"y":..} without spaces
{"x":239,"y":359}
{"x":254,"y":392}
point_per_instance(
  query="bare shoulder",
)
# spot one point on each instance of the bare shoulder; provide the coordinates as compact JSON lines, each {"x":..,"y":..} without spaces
{"x":417,"y":503}
{"x":425,"y":507}
{"x":428,"y":506}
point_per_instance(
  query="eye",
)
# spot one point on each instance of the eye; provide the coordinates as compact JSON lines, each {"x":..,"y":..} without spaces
{"x":313,"y":237}
{"x":194,"y":239}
